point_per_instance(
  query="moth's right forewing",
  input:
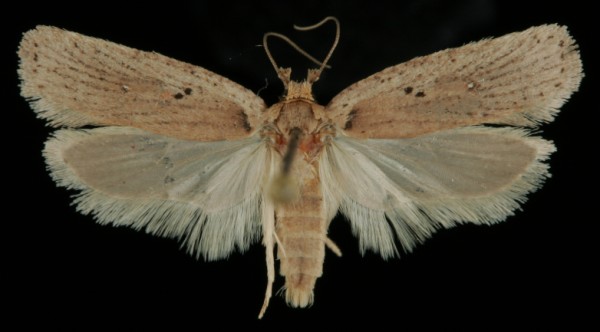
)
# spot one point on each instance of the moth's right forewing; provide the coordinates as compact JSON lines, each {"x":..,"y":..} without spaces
{"x":74,"y":80}
{"x":518,"y":79}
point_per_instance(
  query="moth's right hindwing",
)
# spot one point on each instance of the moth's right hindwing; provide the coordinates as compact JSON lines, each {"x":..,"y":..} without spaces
{"x":208,"y":193}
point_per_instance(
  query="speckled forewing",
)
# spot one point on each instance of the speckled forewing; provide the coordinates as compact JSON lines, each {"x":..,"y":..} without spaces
{"x":75,"y":80}
{"x":519,"y":79}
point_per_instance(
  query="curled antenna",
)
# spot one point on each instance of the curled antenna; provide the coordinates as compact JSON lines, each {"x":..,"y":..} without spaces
{"x":284,"y":75}
{"x":335,"y":41}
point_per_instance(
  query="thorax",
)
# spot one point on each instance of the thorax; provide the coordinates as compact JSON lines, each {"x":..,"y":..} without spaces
{"x":298,"y":111}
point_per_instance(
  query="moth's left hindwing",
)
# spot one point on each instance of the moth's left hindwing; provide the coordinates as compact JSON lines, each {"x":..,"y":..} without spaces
{"x":407,"y":188}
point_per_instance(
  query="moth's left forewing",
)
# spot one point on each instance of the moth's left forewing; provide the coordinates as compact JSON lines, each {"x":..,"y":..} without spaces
{"x":519,"y":79}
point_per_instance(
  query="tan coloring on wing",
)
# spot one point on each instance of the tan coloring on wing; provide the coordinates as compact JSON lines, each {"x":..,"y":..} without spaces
{"x":183,"y":152}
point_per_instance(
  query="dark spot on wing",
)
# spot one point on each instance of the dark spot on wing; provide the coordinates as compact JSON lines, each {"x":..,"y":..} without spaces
{"x":35,"y":57}
{"x":420,"y":94}
{"x":349,"y":119}
{"x":245,"y":122}
{"x":178,"y":95}
{"x":408,"y":90}
{"x":167,"y":162}
{"x":169,"y":179}
{"x":188,"y":91}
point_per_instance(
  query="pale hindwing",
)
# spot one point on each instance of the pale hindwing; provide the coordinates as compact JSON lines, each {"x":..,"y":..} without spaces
{"x":407,"y":188}
{"x":74,"y":80}
{"x":206,"y":193}
{"x":519,"y":79}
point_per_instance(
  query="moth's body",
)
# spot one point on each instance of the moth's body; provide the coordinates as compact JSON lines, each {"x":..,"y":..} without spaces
{"x":302,"y":228}
{"x":300,"y":223}
{"x":183,"y":152}
{"x":297,"y":110}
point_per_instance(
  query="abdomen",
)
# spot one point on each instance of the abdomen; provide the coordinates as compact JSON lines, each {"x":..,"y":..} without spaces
{"x":301,"y":228}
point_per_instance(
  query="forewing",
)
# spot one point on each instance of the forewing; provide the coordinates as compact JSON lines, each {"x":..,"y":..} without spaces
{"x":407,"y":188}
{"x":74,"y":80}
{"x":519,"y":79}
{"x":207,"y":193}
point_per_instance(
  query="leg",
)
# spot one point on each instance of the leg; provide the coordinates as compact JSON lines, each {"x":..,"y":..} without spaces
{"x":332,"y":246}
{"x":268,"y":241}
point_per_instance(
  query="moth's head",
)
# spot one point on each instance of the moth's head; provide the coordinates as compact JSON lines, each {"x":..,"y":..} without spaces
{"x":299,"y":90}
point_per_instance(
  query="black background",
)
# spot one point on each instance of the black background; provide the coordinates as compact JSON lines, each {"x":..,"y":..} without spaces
{"x":62,"y":269}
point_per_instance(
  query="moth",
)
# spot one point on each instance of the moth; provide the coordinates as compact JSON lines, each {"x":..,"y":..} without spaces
{"x":179,"y":151}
